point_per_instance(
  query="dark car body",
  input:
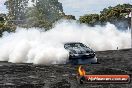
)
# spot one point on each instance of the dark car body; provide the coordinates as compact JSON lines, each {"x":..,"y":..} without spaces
{"x":80,"y":53}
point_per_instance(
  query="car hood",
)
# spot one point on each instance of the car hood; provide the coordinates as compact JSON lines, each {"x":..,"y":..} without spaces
{"x":80,"y":50}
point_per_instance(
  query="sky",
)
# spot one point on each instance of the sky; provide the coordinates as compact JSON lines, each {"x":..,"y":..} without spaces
{"x":2,"y":7}
{"x":80,"y":7}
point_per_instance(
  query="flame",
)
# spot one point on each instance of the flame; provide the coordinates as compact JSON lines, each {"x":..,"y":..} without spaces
{"x":81,"y":71}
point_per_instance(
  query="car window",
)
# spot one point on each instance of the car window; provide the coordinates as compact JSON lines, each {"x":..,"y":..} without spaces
{"x":76,"y":46}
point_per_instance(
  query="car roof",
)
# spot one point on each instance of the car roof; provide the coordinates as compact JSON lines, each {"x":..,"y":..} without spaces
{"x":72,"y":42}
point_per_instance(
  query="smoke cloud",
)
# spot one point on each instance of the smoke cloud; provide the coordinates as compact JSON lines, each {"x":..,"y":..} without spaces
{"x":36,"y":46}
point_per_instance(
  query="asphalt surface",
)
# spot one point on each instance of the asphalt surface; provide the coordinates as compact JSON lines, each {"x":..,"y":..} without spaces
{"x":64,"y":76}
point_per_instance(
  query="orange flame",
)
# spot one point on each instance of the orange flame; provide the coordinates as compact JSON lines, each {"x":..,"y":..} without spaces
{"x":81,"y":71}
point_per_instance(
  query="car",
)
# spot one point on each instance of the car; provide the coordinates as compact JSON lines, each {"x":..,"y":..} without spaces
{"x":80,"y":53}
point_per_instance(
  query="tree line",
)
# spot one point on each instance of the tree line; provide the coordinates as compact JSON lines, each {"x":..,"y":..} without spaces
{"x":117,"y":15}
{"x":44,"y":13}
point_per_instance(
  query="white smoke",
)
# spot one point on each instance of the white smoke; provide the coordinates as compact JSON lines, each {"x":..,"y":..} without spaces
{"x":35,"y":46}
{"x":31,"y":3}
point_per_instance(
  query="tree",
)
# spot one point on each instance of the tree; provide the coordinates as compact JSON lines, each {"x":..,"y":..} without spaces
{"x":16,"y":9}
{"x":115,"y":15}
{"x":90,"y":19}
{"x":44,"y":13}
{"x":69,"y":17}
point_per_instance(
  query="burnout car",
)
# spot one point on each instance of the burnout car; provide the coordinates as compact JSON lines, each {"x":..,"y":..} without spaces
{"x":80,"y":53}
